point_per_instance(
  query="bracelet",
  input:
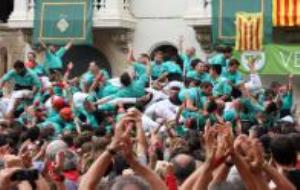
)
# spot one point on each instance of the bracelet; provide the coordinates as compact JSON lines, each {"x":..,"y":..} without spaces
{"x":111,"y":151}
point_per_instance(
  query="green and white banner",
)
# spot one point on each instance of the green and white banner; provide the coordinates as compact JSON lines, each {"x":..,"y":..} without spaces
{"x":275,"y":59}
{"x":59,"y":21}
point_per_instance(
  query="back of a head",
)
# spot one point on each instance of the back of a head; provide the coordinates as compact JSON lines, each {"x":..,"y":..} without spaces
{"x":130,"y":182}
{"x":283,"y":150}
{"x":184,"y":166}
{"x":217,"y":68}
{"x":19,"y":64}
{"x":125,"y":79}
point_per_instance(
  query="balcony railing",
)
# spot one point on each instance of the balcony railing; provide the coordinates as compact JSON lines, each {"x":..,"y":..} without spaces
{"x":107,"y":13}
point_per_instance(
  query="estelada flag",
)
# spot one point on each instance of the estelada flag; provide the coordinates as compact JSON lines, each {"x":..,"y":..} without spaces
{"x":286,"y":13}
{"x":249,"y":31}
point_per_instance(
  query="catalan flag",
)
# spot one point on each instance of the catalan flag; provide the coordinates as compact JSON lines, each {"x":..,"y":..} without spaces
{"x":286,"y":13}
{"x":249,"y":31}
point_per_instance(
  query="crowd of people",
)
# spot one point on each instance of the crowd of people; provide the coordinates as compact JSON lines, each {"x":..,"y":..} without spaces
{"x":171,"y":122}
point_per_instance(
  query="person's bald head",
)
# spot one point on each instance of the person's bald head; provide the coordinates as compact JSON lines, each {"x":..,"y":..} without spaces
{"x":184,"y":166}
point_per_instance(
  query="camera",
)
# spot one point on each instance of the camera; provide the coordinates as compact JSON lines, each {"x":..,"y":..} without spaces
{"x":25,"y":175}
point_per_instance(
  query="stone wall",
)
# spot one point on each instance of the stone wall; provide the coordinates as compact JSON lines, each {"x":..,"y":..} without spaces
{"x":14,"y":41}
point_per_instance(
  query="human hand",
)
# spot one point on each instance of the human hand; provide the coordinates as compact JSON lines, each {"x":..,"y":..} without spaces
{"x":70,"y":66}
{"x":5,"y":178}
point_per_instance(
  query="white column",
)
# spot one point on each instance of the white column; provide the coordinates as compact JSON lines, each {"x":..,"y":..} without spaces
{"x":20,"y":10}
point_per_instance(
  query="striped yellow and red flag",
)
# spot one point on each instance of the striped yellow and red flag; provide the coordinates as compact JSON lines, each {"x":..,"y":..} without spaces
{"x":286,"y":13}
{"x":249,"y":31}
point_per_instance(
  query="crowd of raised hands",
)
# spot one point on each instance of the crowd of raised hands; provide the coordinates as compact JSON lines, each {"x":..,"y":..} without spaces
{"x":223,"y":151}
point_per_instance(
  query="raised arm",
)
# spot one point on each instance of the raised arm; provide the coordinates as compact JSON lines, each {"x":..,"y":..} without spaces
{"x":69,"y":45}
{"x":99,"y":167}
{"x":130,"y":56}
{"x":281,"y":181}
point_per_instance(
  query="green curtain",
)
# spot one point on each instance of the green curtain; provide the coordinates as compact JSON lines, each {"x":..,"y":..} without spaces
{"x":224,"y":15}
{"x":279,"y":60}
{"x":59,"y":21}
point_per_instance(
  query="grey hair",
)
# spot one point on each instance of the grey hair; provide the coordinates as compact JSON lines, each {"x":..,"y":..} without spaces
{"x":123,"y":181}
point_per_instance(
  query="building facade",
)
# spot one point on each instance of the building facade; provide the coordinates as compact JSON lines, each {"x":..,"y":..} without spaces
{"x":146,"y":25}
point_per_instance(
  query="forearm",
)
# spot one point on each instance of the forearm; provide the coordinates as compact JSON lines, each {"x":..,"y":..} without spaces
{"x":244,"y":171}
{"x":221,"y":174}
{"x":142,"y":141}
{"x":190,"y":181}
{"x":154,"y":181}
{"x":204,"y":179}
{"x":281,"y":181}
{"x":96,"y":172}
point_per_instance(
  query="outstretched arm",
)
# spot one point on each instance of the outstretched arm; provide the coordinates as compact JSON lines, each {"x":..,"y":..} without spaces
{"x":68,"y":45}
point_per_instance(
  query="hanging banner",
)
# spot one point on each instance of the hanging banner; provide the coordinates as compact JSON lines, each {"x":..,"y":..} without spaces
{"x":59,"y":21}
{"x":274,"y":60}
{"x":224,"y":16}
{"x":249,"y":31}
{"x":286,"y":13}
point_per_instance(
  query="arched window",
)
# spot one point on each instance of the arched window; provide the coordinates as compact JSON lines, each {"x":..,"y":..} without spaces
{"x":82,"y":55}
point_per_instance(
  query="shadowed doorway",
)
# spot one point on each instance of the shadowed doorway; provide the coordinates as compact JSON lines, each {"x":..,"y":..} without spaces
{"x":82,"y":55}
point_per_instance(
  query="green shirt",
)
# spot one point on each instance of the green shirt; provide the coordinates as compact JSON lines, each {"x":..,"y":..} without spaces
{"x":88,"y":78}
{"x":194,"y":94}
{"x":29,"y":79}
{"x":287,"y":101}
{"x":201,"y":77}
{"x":135,"y":90}
{"x":186,"y":62}
{"x":106,"y":90}
{"x":54,"y":60}
{"x":220,"y":86}
{"x":156,"y":70}
{"x":218,"y":59}
{"x":235,"y":78}
{"x":171,"y":67}
{"x":59,"y":124}
{"x":39,"y":70}
{"x":140,"y":70}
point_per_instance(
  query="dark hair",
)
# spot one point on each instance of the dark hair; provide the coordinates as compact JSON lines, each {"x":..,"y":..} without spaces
{"x":295,"y":138}
{"x":33,"y":134}
{"x":206,"y":84}
{"x":194,"y":63}
{"x":271,"y":108}
{"x":68,"y":139}
{"x":227,"y":49}
{"x":125,"y":79}
{"x":283,"y":150}
{"x":234,"y":62}
{"x":217,"y":68}
{"x":212,"y":106}
{"x":19,"y":65}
